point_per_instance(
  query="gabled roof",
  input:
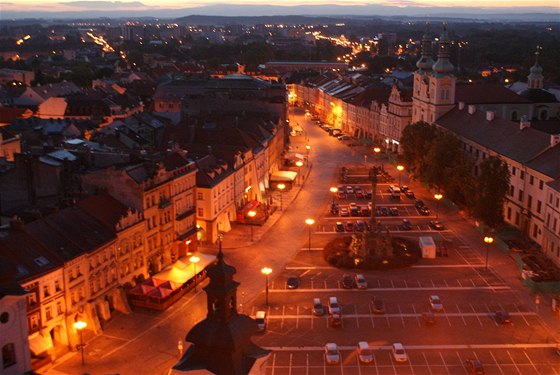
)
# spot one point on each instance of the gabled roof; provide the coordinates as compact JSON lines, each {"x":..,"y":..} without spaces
{"x":54,"y":241}
{"x":486,"y":93}
{"x":106,"y":209}
{"x":502,"y":136}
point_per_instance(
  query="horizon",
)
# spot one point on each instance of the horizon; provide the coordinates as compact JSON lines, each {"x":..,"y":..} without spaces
{"x":19,"y":9}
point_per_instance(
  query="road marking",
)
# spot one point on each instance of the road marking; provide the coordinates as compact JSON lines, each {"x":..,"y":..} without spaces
{"x":496,"y":362}
{"x":444,"y":364}
{"x":427,"y":363}
{"x":400,"y":315}
{"x":420,"y":347}
{"x":505,"y":287}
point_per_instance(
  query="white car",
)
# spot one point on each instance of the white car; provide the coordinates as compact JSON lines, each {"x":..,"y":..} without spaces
{"x":332,"y":355}
{"x":435,"y":303}
{"x":398,"y":352}
{"x":365,"y":355}
{"x":361,"y":281}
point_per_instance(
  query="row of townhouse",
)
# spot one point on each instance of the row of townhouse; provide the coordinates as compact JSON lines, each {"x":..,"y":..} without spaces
{"x":521,"y":127}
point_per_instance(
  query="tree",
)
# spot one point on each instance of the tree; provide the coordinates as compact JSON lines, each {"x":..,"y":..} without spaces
{"x":460,"y":186}
{"x":492,"y":185}
{"x":416,"y":140}
{"x":440,"y":158}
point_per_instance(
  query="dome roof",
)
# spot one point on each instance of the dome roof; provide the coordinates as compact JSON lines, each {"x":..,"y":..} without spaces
{"x":536,"y":70}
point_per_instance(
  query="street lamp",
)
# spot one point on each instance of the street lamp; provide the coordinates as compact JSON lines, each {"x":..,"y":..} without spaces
{"x":309,"y":223}
{"x":376,"y":150}
{"x":251,"y":214}
{"x":299,"y":164}
{"x":194,"y":260}
{"x":281,"y":187}
{"x":80,"y":325}
{"x":400,"y":168}
{"x":438,"y":197}
{"x":333,"y":190}
{"x":266,"y":271}
{"x":488,"y":240}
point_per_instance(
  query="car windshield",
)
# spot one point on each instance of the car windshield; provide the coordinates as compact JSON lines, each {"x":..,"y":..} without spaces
{"x":399,"y":351}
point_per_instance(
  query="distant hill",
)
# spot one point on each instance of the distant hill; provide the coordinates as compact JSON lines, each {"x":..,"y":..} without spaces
{"x":246,"y":13}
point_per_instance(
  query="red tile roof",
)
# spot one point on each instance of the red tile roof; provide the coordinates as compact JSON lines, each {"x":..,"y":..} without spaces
{"x":486,"y":93}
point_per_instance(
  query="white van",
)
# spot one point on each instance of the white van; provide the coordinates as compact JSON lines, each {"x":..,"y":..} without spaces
{"x":334,"y":307}
{"x":260,"y":318}
{"x":364,"y":352}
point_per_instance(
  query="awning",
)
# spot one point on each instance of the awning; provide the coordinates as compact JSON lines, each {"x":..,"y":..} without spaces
{"x":250,"y":206}
{"x":293,"y":156}
{"x":39,"y":344}
{"x":283,"y":176}
{"x":183,"y":270}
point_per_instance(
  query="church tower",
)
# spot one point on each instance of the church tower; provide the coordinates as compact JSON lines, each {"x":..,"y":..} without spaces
{"x":535,"y":79}
{"x":221,"y":344}
{"x":434,"y":83}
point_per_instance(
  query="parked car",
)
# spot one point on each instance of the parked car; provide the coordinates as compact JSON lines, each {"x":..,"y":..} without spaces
{"x":384,"y":211}
{"x":334,"y":208}
{"x":404,"y":188}
{"x":332,"y":355}
{"x":474,"y":366}
{"x":436,"y":225}
{"x":409,"y":194}
{"x":335,"y":320}
{"x":406,"y":225}
{"x":341,"y":194}
{"x":365,"y":354}
{"x":418,"y":203}
{"x":360,"y":226}
{"x":399,"y":355}
{"x":339,"y":227}
{"x":425,"y":211}
{"x":502,"y":317}
{"x":367,"y":194}
{"x":350,"y":226}
{"x":260,"y":318}
{"x":349,"y":190}
{"x":292,"y":282}
{"x":343,"y":137}
{"x":361,"y":281}
{"x":393,"y":211}
{"x":435,"y":303}
{"x":334,"y":307}
{"x":429,"y":318}
{"x":354,"y":211}
{"x":318,"y":309}
{"x":347,"y":281}
{"x":377,"y":305}
{"x":343,"y":211}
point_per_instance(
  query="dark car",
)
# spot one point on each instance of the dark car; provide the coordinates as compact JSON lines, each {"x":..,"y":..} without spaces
{"x":436,"y":225}
{"x":409,"y":194}
{"x":418,"y":203}
{"x":474,"y":366}
{"x":394,"y":211}
{"x":335,"y":320}
{"x":377,"y":306}
{"x":334,"y":208}
{"x":339,"y":227}
{"x":383,"y":211}
{"x":360,"y":226}
{"x":347,"y":281}
{"x":350,"y":227}
{"x":406,"y":225}
{"x":424,"y":210}
{"x":502,"y":317}
{"x":293,"y":282}
{"x":368,"y":194}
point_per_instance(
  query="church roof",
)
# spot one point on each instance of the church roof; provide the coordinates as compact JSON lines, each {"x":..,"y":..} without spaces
{"x":486,"y":93}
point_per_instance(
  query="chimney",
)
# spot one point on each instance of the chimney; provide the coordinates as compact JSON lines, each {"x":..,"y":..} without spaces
{"x":554,"y":139}
{"x":472,"y":109}
{"x":461,"y":106}
{"x":489,"y":115}
{"x":524,"y":123}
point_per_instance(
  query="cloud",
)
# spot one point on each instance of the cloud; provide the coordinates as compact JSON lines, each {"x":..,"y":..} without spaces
{"x":101,"y":5}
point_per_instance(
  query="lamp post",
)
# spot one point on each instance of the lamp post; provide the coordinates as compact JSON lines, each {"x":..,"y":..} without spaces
{"x":299,"y":164}
{"x":400,"y":168}
{"x":333,"y":190}
{"x":376,"y":150}
{"x":488,"y":240}
{"x":251,"y":214}
{"x":266,"y":271}
{"x":438,"y":197}
{"x":309,"y":223}
{"x":281,"y":187}
{"x":80,"y":325}
{"x":194,"y":260}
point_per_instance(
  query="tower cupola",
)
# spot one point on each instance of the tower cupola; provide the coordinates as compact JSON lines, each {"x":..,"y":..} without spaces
{"x":443,"y":66}
{"x":535,"y":78}
{"x":425,"y":63}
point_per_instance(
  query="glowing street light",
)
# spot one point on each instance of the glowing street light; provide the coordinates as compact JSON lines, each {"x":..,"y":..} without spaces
{"x":309,"y":223}
{"x":194,"y":260}
{"x":400,"y":168}
{"x":251,"y":214}
{"x":438,"y":197}
{"x":488,"y":240}
{"x":80,"y":325}
{"x":266,"y":271}
{"x":376,"y":150}
{"x":281,"y":187}
{"x":299,"y":164}
{"x":333,"y":190}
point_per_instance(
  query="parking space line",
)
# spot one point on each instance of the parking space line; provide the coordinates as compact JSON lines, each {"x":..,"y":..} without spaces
{"x":392,"y":284}
{"x":522,"y":315}
{"x":417,"y":319}
{"x":358,"y":365}
{"x":357,"y":320}
{"x":427,"y":363}
{"x":410,"y":364}
{"x":475,"y":314}
{"x":444,"y":364}
{"x":530,"y":361}
{"x":283,"y":313}
{"x":460,"y":359}
{"x":405,"y":284}
{"x":273,"y":362}
{"x":462,"y":317}
{"x":402,"y":318}
{"x":433,"y":285}
{"x":513,"y":361}
{"x":459,"y":282}
{"x":447,"y":317}
{"x":297,"y":317}
{"x":446,"y":285}
{"x":290,"y":362}
{"x":496,"y":362}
